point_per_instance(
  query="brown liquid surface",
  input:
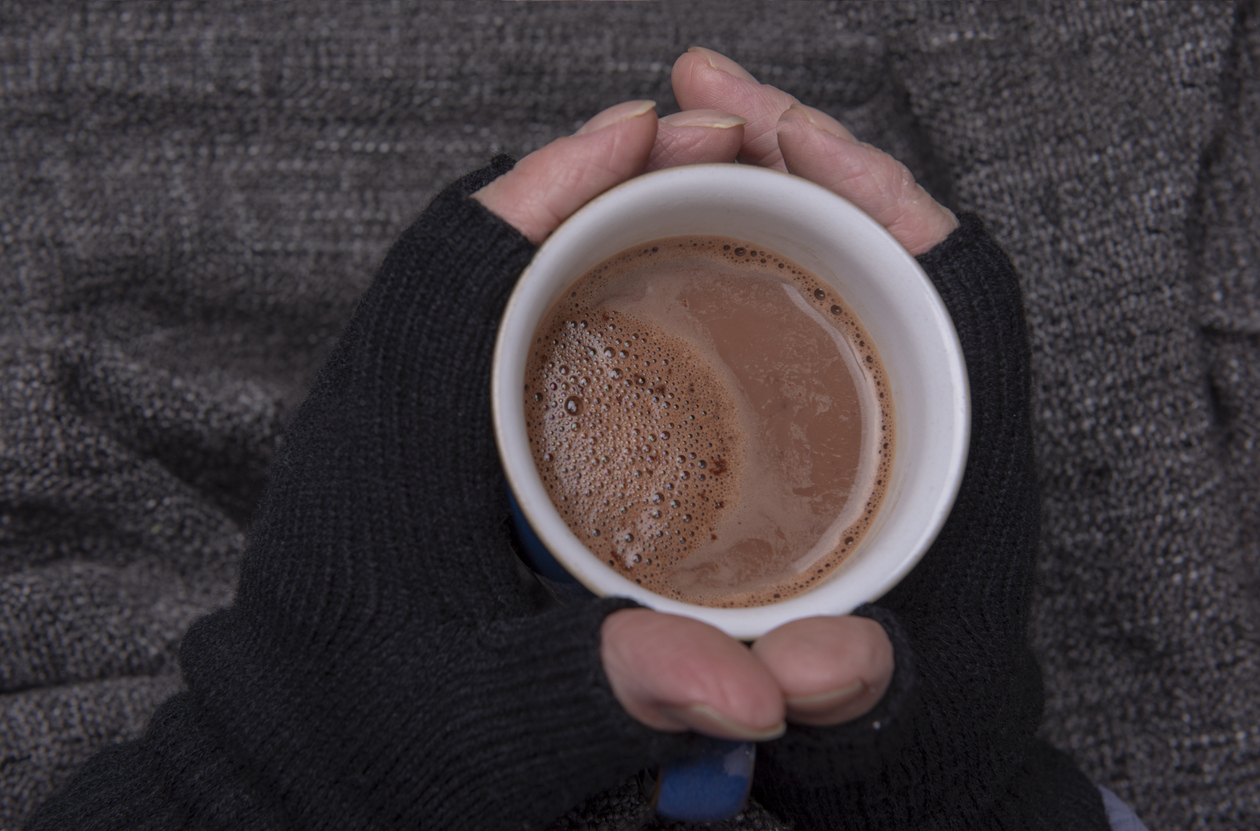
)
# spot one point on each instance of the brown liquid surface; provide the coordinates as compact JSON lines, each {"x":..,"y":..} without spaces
{"x":711,"y":419}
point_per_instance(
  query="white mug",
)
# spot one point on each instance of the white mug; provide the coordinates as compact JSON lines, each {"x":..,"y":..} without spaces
{"x":878,"y":279}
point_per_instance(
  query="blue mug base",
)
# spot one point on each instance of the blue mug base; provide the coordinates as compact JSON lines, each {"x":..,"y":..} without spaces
{"x":711,"y":785}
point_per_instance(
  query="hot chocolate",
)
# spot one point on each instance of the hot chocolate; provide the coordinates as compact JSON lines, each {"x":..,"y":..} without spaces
{"x":711,"y":419}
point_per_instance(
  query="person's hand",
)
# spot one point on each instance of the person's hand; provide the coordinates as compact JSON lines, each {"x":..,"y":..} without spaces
{"x":784,"y":134}
{"x":669,"y":672}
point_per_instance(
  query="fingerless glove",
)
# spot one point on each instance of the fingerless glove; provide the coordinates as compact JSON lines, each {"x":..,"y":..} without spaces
{"x":382,"y":665}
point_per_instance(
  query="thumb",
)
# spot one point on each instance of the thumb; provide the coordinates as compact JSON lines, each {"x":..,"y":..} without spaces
{"x":548,"y":185}
{"x":673,"y":673}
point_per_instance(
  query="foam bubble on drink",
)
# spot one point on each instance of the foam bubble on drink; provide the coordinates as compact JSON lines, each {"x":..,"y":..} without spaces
{"x":634,"y":439}
{"x":640,"y":414}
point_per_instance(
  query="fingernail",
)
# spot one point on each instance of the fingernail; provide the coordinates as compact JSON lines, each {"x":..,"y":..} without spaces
{"x":723,"y":64}
{"x":827,"y":700}
{"x":704,"y":719}
{"x":615,"y":115}
{"x":819,"y":120}
{"x":704,"y":118}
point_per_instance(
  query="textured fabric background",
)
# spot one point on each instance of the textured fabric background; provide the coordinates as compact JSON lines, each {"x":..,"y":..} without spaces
{"x":193,"y":195}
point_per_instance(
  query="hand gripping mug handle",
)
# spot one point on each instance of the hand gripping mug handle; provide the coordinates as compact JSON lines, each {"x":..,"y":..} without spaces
{"x":711,"y":785}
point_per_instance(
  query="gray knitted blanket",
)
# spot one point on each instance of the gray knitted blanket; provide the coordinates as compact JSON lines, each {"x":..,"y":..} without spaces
{"x":193,"y":195}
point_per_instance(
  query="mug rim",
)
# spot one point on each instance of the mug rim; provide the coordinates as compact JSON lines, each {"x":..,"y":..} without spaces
{"x":586,"y":567}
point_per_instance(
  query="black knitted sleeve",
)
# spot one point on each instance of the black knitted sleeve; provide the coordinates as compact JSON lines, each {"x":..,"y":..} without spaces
{"x":951,"y":745}
{"x":381,"y":665}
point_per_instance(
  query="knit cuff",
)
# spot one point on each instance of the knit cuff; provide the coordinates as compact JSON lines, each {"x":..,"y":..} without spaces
{"x":977,"y":283}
